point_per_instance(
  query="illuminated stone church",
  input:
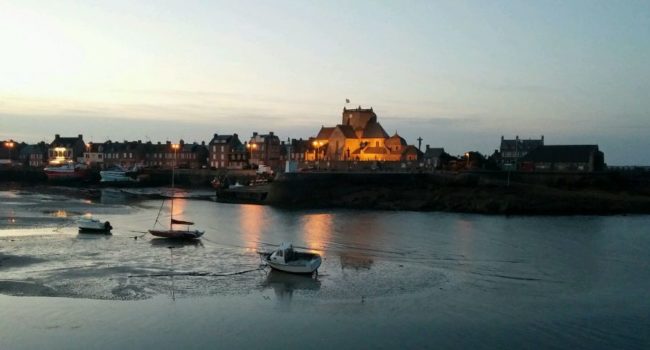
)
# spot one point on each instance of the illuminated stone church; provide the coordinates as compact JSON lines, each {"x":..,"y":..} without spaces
{"x":360,"y":137}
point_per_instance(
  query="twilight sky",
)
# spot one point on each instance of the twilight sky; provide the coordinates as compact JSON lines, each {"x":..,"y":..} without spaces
{"x":457,"y":73}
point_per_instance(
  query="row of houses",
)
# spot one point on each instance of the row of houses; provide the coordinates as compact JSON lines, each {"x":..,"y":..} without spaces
{"x":532,"y":155}
{"x":223,"y":151}
{"x":359,"y":138}
{"x":63,"y":150}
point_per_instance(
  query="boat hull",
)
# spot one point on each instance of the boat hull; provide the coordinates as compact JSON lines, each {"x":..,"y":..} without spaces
{"x":94,"y":226}
{"x":94,"y":230}
{"x":177,"y":234}
{"x":65,"y":175}
{"x":307,"y":268}
{"x":115,"y":176}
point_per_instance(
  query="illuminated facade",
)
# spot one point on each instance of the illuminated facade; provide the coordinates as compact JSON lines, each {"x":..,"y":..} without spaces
{"x":360,"y":137}
{"x":66,"y":150}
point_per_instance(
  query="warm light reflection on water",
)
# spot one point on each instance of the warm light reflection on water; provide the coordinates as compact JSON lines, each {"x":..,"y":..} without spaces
{"x":317,"y":231}
{"x":179,"y":208}
{"x":251,"y":219}
{"x":60,"y":214}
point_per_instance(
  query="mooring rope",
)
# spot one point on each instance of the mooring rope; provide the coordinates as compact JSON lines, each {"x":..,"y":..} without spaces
{"x":200,"y":274}
{"x":159,"y":211}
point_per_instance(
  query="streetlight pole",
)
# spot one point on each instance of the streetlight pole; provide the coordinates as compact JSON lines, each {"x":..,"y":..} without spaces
{"x":88,"y":153}
{"x":175,"y":147}
{"x":250,"y":147}
{"x":317,"y":144}
{"x":10,"y":145}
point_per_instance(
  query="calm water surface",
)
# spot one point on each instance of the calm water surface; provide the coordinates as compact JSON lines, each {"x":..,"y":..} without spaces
{"x":388,"y":280}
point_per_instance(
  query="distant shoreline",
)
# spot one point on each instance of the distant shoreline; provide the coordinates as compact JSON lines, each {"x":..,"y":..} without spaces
{"x":480,"y":193}
{"x":494,"y":193}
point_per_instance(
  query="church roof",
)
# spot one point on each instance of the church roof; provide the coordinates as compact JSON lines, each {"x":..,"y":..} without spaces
{"x":410,"y":149}
{"x":371,"y":150}
{"x":374,"y":131}
{"x":347,"y":131}
{"x":325,"y":133}
{"x":396,"y":139}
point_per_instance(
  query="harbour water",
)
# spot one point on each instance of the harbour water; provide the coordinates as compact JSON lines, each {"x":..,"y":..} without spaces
{"x":388,"y":280}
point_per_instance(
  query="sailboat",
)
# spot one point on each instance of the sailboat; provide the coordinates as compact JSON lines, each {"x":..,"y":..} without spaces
{"x":171,"y":232}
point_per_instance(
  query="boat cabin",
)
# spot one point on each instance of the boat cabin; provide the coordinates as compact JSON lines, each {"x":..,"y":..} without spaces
{"x":284,"y":254}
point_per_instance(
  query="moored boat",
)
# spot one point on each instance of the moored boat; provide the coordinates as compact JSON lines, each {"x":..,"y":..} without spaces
{"x":90,"y":225}
{"x":117,"y":174}
{"x":67,"y":171}
{"x":171,"y":232}
{"x":177,"y":234}
{"x":287,"y":259}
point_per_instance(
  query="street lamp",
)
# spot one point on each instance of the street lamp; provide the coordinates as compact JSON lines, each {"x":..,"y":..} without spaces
{"x":251,"y":147}
{"x":317,"y":144}
{"x":467,"y":156}
{"x":10,"y":146}
{"x":88,"y":154}
{"x":175,"y":147}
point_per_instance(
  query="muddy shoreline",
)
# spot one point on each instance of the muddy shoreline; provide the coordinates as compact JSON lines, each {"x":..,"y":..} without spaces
{"x":494,"y":193}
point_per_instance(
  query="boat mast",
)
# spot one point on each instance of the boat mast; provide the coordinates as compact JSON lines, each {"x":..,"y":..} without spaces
{"x":171,"y":216}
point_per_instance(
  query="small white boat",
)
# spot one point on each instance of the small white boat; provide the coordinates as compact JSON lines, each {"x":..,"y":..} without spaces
{"x":287,"y":259}
{"x":89,"y":225}
{"x":118,"y":174}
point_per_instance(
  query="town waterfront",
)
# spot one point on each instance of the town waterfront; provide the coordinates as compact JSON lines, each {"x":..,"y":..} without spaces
{"x":388,"y":280}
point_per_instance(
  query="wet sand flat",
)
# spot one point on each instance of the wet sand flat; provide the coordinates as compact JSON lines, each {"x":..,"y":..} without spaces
{"x":388,"y":279}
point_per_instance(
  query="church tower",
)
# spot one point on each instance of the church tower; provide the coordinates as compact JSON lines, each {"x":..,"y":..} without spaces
{"x":358,"y":118}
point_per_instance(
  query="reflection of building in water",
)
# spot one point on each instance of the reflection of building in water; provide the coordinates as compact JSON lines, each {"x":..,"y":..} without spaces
{"x":355,"y":261}
{"x":251,"y":221}
{"x":317,"y":230}
{"x":284,"y":284}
